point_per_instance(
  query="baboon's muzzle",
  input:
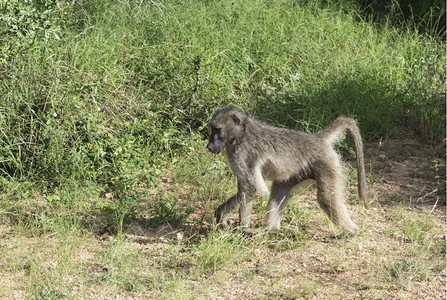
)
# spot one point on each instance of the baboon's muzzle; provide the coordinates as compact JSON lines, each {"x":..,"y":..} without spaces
{"x":213,"y":148}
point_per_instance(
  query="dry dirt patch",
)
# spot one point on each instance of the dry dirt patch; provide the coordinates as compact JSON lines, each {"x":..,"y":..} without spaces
{"x":398,"y":254}
{"x":381,"y":262}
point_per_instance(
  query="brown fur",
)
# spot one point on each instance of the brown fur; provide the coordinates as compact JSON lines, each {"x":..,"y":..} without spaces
{"x":257,"y":151}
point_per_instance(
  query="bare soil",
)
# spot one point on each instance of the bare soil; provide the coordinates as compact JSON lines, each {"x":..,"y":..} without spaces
{"x":398,"y":254}
{"x":380,"y":263}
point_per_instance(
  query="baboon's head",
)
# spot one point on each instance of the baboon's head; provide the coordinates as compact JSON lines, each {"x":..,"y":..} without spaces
{"x":226,"y":127}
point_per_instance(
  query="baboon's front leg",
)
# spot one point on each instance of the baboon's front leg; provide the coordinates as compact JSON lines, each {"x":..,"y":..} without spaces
{"x":225,"y":209}
{"x":243,"y":200}
{"x":278,"y":200}
{"x":245,"y":208}
{"x":245,"y":212}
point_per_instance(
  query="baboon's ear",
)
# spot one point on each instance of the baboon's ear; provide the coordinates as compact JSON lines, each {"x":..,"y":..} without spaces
{"x":236,"y":119}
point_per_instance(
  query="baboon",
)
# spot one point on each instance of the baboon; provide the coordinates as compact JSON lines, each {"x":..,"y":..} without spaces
{"x":256,"y":151}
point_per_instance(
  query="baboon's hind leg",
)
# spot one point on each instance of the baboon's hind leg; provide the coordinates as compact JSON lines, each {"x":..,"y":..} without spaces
{"x":278,"y":199}
{"x":330,"y":196}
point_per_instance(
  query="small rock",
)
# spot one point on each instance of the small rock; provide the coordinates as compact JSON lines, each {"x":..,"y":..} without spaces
{"x":382,"y":157}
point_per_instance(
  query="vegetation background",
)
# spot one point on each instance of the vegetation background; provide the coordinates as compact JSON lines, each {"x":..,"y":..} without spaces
{"x":105,"y":185}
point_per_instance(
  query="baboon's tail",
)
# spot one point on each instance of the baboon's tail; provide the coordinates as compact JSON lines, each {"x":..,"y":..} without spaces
{"x":333,"y":132}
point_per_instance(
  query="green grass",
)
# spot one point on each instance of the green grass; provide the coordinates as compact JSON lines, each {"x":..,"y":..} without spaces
{"x":103,"y":107}
{"x":111,"y":99}
{"x":90,"y":106}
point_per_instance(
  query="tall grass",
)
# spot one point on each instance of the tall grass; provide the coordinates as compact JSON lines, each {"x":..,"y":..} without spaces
{"x":109,"y":93}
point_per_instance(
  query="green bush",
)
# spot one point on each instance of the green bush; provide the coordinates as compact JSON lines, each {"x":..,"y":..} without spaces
{"x":109,"y":93}
{"x":24,"y":22}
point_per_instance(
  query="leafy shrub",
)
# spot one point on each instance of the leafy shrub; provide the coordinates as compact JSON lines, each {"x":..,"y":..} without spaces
{"x":112,"y":98}
{"x":24,"y":22}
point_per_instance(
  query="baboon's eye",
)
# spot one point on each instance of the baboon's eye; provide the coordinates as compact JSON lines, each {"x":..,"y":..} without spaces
{"x":236,"y":120}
